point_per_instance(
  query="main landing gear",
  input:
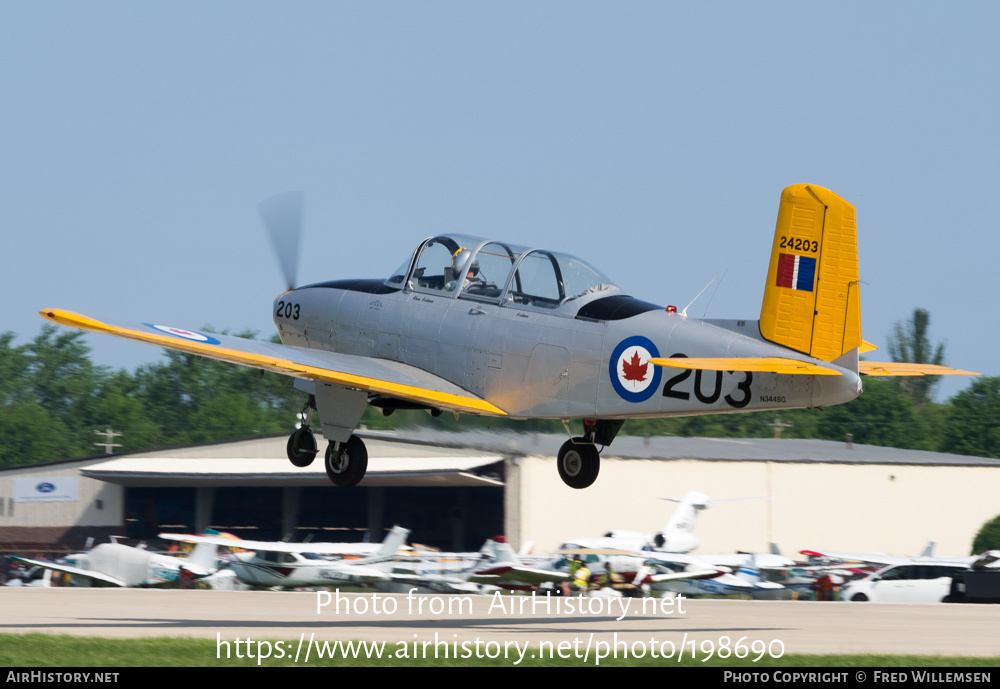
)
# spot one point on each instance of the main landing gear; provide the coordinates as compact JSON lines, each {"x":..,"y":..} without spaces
{"x":579,"y":460}
{"x":579,"y":463}
{"x":345,"y":462}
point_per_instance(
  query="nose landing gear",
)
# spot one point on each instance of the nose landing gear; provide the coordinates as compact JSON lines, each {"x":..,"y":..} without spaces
{"x":302,"y":447}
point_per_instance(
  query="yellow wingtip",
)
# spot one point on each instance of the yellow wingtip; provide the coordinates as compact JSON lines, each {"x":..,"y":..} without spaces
{"x":73,"y":320}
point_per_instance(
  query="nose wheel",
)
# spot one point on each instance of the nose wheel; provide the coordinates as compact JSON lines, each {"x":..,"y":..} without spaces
{"x":579,"y":463}
{"x":302,"y":447}
{"x":346,"y":463}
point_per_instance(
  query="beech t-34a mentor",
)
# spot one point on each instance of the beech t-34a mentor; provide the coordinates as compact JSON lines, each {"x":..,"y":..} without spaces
{"x":472,"y":325}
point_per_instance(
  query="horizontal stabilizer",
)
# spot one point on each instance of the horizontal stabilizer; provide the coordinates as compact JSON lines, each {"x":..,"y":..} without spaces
{"x":767,"y":364}
{"x":878,"y":368}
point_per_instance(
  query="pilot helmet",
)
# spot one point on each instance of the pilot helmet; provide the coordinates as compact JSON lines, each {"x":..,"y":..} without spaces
{"x":459,"y":258}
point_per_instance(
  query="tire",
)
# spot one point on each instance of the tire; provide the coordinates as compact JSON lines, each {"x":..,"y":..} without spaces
{"x":302,"y":447}
{"x":579,"y":463}
{"x":859,"y":598}
{"x":347,"y":467}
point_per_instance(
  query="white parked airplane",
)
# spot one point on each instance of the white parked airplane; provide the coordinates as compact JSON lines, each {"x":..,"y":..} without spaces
{"x":746,"y":580}
{"x":676,"y":537}
{"x":304,"y":564}
{"x":115,"y":564}
{"x":507,"y":571}
{"x":437,"y":572}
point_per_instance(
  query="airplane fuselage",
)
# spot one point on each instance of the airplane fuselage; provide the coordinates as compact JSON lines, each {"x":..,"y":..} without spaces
{"x":585,"y":358}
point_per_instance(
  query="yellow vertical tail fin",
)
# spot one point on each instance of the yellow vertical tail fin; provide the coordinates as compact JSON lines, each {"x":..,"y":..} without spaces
{"x":811,"y":300}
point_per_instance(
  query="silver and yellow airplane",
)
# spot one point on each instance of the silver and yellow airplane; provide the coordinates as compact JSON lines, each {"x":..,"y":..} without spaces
{"x":471,"y":325}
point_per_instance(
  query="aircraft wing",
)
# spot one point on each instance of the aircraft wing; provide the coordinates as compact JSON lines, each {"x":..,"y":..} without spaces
{"x":501,"y":574}
{"x":583,"y":550}
{"x":767,"y":364}
{"x":881,"y":559}
{"x":75,"y":571}
{"x":436,"y":584}
{"x":694,"y":574}
{"x":380,"y":376}
{"x":870,"y":558}
{"x":736,"y":560}
{"x":278,"y":546}
{"x":880,"y":368}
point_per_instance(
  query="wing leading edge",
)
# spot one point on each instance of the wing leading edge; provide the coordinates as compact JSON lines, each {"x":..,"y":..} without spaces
{"x":373,"y":375}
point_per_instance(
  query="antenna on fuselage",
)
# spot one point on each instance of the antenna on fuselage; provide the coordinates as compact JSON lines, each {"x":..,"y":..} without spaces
{"x":684,"y":311}
{"x":717,"y":285}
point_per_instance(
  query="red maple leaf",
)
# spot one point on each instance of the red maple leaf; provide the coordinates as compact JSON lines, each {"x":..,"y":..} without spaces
{"x":633,"y":370}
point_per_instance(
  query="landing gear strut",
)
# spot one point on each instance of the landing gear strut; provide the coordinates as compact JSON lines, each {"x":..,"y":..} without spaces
{"x":346,"y":463}
{"x":579,"y":463}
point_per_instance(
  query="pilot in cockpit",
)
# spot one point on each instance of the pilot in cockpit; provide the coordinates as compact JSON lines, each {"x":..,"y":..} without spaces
{"x":458,"y":259}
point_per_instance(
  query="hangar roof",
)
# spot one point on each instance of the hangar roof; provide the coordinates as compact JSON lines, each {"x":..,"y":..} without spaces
{"x":704,"y":449}
{"x":424,"y":457}
{"x":261,"y":461}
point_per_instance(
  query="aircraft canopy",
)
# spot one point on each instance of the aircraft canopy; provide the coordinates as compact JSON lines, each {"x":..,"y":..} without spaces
{"x":492,"y":271}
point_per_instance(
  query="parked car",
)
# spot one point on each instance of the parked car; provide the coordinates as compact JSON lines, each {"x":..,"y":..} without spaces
{"x":915,"y":582}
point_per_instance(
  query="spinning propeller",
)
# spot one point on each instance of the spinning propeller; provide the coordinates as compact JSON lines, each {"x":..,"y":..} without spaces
{"x":282,"y":215}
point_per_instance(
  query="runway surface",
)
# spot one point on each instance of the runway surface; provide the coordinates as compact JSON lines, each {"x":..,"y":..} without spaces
{"x":799,"y":627}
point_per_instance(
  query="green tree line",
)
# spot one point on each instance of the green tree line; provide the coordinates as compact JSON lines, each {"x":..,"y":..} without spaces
{"x":53,"y":399}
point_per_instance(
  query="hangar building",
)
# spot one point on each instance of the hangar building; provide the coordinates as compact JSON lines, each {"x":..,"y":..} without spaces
{"x":455,"y":490}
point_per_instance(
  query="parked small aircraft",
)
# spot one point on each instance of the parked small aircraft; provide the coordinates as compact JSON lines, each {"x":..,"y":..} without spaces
{"x":639,"y":567}
{"x":116,"y":564}
{"x":437,"y":572}
{"x":676,"y":537}
{"x":507,"y":571}
{"x":746,"y":580}
{"x":472,"y":325}
{"x":303,"y":564}
{"x":926,"y":556}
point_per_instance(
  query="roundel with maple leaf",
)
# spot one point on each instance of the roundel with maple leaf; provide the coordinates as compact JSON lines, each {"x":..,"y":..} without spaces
{"x":633,"y":377}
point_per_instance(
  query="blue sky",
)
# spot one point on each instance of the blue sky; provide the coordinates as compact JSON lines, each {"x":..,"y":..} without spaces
{"x":651,"y":138}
